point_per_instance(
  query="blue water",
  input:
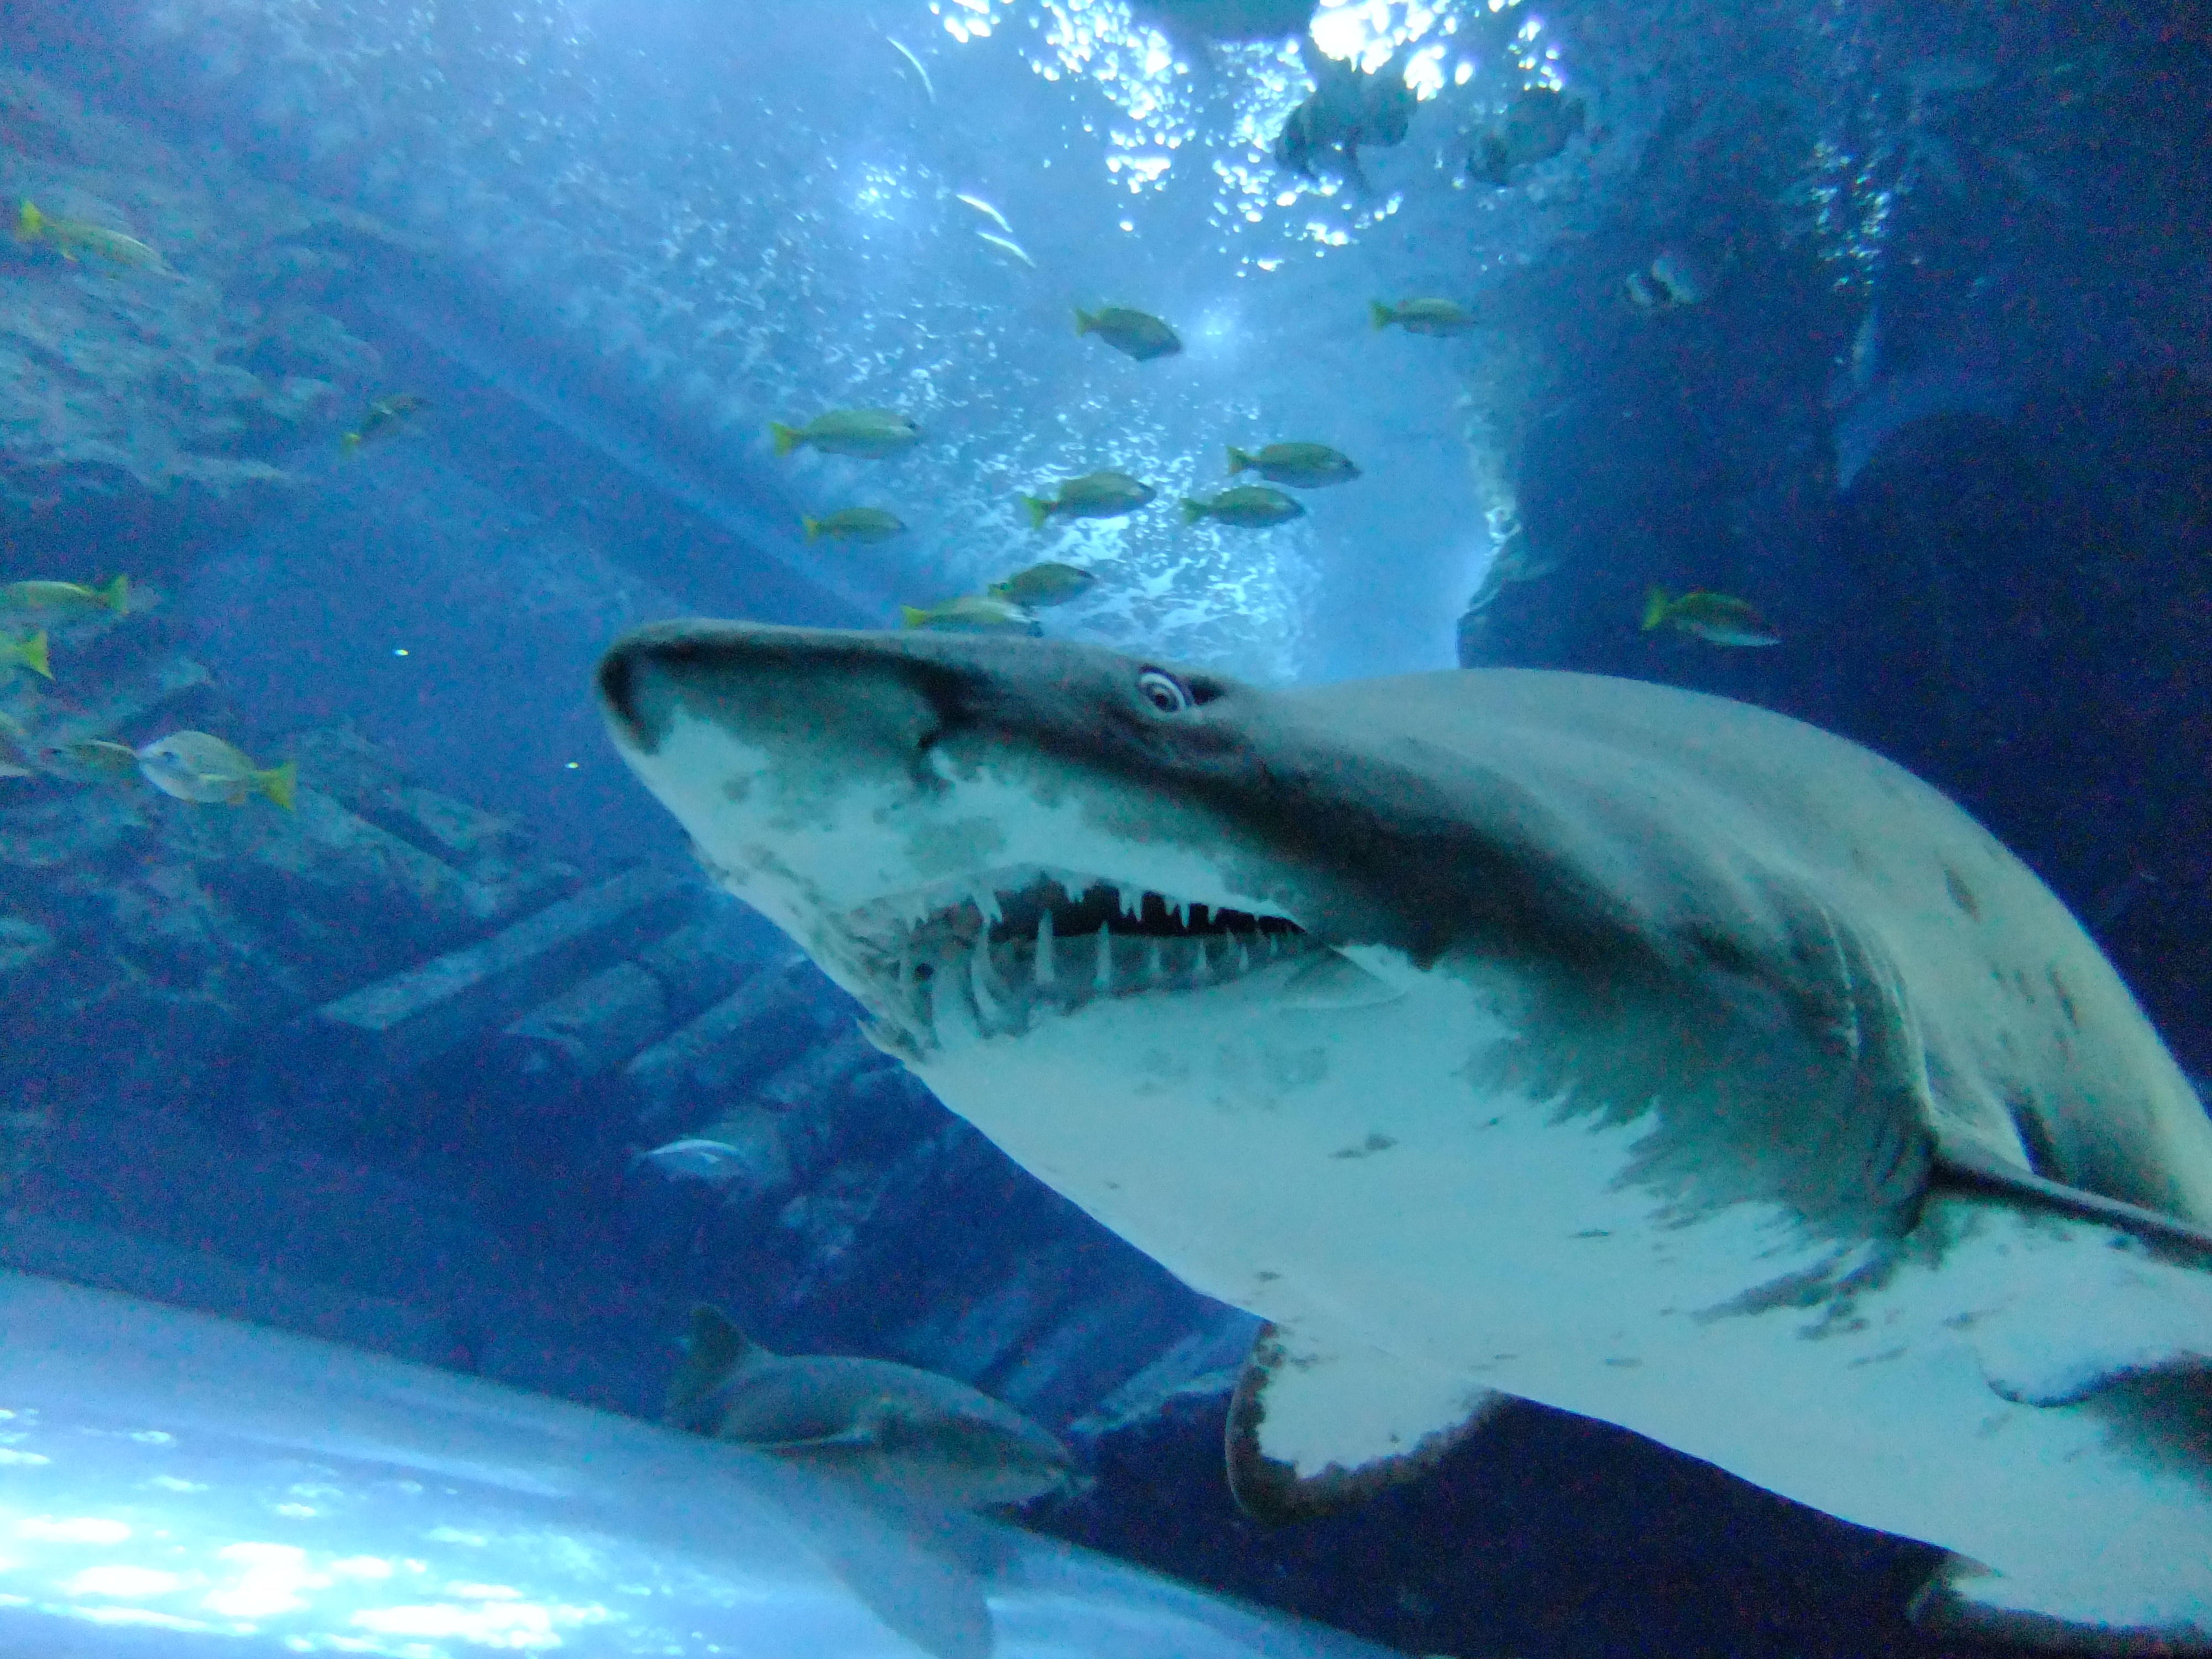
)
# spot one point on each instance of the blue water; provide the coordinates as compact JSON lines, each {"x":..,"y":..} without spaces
{"x":1940,"y":410}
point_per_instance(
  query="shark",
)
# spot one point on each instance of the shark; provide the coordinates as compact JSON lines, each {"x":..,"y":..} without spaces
{"x":885,"y":1425}
{"x":1520,"y":1035}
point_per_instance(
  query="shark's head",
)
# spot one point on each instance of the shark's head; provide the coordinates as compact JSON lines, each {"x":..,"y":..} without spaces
{"x":976,"y":836}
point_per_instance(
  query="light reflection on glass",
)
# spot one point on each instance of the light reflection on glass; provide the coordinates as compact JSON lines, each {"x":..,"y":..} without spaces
{"x":261,"y":1588}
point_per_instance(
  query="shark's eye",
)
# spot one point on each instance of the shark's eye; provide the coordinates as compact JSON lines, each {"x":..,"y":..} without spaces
{"x":1164,"y":692}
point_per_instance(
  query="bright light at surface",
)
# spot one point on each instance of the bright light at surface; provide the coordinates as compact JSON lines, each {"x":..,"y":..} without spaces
{"x":77,"y":1530}
{"x":269,"y":1580}
{"x":1367,"y":32}
{"x":124,"y":1584}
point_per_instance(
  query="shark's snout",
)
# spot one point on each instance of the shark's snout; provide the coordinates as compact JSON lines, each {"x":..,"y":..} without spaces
{"x":620,"y":687}
{"x":873,"y":697}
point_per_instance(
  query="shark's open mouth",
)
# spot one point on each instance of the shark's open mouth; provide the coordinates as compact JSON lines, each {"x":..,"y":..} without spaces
{"x":1003,"y":948}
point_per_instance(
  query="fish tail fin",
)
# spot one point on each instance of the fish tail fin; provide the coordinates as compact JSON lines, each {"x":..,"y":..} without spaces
{"x":29,"y":222}
{"x":1193,"y":511}
{"x":1039,"y":510}
{"x":1383,"y":316}
{"x":1656,"y":607}
{"x":1084,"y":322}
{"x":786,"y":437}
{"x":813,"y":527}
{"x":350,"y":442}
{"x":913,"y":615}
{"x":1238,"y":460}
{"x":32,"y":653}
{"x":117,"y":596}
{"x":280,"y":783}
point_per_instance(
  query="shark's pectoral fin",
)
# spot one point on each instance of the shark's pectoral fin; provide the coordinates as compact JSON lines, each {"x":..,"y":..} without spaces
{"x":1964,"y":1598}
{"x":2099,"y":1316}
{"x":1318,"y":1425}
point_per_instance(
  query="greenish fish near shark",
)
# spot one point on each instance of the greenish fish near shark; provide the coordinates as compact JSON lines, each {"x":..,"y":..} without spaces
{"x":1520,"y":1034}
{"x":885,"y":1425}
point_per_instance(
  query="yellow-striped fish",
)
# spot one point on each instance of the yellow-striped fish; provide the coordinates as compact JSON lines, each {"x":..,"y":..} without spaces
{"x":67,"y":596}
{"x":1717,"y":618}
{"x":71,"y":237}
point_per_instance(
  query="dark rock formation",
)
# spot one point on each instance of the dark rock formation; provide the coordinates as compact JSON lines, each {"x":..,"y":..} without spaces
{"x":194,"y":377}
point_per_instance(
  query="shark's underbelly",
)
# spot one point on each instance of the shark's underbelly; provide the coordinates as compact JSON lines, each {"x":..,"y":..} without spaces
{"x":1363,"y":1188}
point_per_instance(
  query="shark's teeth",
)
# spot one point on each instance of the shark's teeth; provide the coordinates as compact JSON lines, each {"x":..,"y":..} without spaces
{"x":979,"y":981}
{"x":994,"y":954}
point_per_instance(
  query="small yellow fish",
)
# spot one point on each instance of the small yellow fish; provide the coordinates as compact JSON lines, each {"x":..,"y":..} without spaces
{"x":1136,"y":334}
{"x":856,"y":524}
{"x":196,"y":767}
{"x":29,"y":653}
{"x":1093,"y":496}
{"x":70,"y":237}
{"x":1424,"y":316}
{"x":870,"y":434}
{"x":1717,"y":618}
{"x":1303,"y":466}
{"x":1252,"y":507}
{"x":59,"y":596}
{"x":383,"y":415}
{"x":1049,"y":583}
{"x":971,"y":613}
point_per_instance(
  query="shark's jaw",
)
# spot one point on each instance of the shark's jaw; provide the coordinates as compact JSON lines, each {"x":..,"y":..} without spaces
{"x":1000,"y":953}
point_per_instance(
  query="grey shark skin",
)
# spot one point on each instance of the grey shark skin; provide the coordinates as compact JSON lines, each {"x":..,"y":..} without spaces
{"x":886,"y":1425}
{"x":1524,"y":1034}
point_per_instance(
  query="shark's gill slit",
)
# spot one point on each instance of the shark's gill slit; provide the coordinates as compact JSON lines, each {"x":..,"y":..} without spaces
{"x":1022,"y":943}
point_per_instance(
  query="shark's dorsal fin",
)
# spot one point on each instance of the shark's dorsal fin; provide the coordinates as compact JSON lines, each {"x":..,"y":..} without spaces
{"x":713,"y":1352}
{"x":1293,"y":1388}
